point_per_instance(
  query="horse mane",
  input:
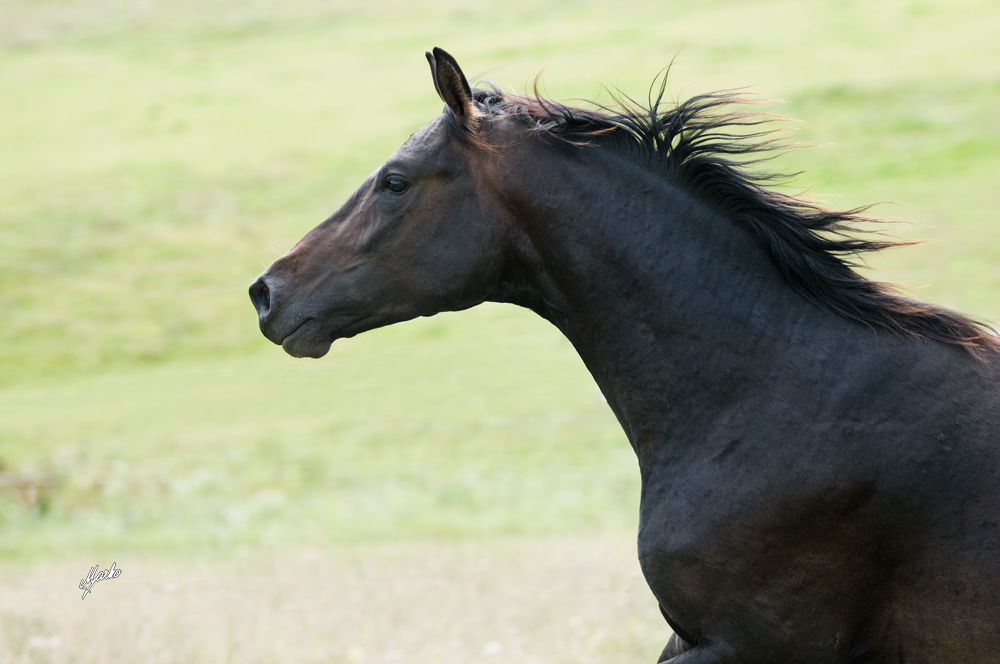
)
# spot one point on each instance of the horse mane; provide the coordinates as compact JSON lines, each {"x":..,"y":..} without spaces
{"x":711,"y":144}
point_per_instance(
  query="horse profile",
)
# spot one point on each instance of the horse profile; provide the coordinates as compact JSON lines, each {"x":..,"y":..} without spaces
{"x":819,"y":454}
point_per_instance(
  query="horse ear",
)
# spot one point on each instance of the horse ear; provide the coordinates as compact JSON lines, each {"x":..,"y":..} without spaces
{"x":451,"y":85}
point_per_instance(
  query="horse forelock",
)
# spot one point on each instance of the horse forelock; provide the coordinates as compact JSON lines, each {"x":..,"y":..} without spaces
{"x":713,"y":144}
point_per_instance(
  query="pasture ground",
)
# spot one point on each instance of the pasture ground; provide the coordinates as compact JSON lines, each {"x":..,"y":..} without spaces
{"x":531,"y":601}
{"x":450,"y":488}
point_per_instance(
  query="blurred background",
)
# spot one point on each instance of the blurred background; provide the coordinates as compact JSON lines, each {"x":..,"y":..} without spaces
{"x":450,"y":489}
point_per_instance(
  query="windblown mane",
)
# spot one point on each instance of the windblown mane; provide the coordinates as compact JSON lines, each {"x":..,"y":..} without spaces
{"x":707,"y":143}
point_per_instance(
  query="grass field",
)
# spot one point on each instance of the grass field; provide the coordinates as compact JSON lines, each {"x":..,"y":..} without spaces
{"x":155,"y":156}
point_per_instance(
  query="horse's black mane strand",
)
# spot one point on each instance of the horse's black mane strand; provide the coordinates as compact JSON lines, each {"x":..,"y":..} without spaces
{"x":707,"y":143}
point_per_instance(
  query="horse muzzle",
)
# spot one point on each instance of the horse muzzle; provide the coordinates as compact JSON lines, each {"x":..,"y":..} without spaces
{"x":302,"y":329}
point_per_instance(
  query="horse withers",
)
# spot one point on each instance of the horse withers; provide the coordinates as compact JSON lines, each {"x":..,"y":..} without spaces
{"x":820,"y":455}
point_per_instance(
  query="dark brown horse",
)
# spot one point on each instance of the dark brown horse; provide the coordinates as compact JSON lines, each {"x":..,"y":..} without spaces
{"x":820,"y":456}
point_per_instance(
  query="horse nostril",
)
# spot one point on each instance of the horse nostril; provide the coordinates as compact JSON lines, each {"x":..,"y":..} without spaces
{"x":260,"y":295}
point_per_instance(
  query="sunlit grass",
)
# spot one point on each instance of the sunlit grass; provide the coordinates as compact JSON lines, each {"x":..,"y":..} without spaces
{"x":487,"y":428}
{"x":155,"y":155}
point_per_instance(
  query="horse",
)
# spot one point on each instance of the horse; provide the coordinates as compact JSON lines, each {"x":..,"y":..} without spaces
{"x":819,"y":453}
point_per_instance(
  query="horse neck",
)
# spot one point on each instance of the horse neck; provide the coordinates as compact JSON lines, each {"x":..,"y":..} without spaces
{"x":673,"y":307}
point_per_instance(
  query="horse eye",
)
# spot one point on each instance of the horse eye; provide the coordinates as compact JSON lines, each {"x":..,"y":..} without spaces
{"x":396,"y":185}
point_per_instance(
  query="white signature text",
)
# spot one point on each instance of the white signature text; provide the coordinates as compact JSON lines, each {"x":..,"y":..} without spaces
{"x":94,"y":576}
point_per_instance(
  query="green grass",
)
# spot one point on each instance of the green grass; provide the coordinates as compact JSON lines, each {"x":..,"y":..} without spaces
{"x":156,"y":156}
{"x":511,"y":439}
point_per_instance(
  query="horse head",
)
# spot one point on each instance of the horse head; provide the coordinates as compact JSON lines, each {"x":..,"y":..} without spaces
{"x":418,"y":237}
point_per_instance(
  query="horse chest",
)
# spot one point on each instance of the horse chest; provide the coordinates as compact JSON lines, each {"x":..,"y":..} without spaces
{"x":757,"y":551}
